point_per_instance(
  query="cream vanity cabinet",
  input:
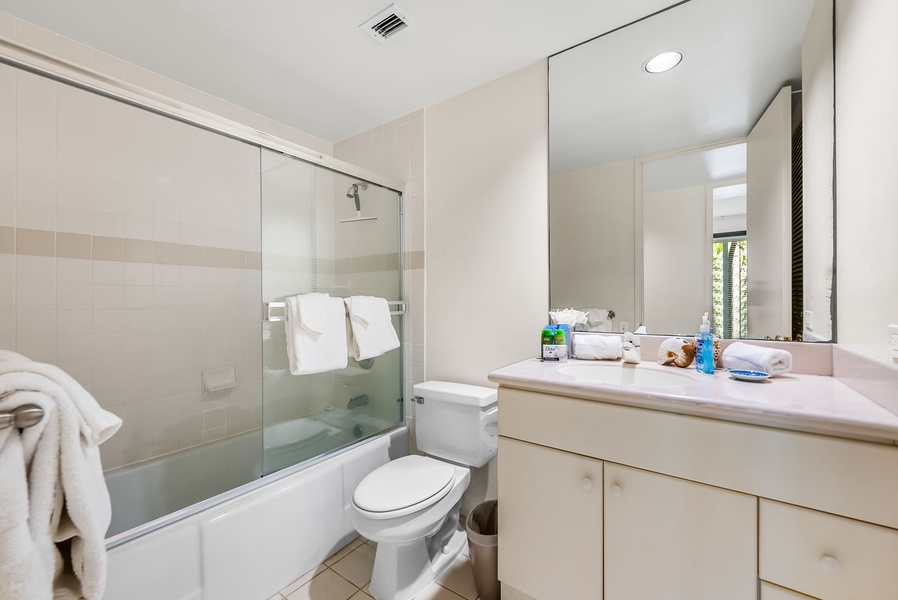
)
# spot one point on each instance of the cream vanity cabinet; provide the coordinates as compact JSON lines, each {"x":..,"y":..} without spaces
{"x":606,"y":501}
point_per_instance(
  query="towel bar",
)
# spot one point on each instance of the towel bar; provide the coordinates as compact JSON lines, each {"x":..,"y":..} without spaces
{"x":22,"y":416}
{"x":267,"y":315}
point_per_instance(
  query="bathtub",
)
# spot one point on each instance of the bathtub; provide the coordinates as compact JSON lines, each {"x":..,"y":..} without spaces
{"x":247,"y":542}
{"x":161,"y":487}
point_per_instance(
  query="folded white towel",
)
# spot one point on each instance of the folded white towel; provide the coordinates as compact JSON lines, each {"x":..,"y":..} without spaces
{"x":597,"y":347}
{"x":316,"y":333}
{"x":372,"y":327}
{"x":68,"y":504}
{"x":757,"y":358}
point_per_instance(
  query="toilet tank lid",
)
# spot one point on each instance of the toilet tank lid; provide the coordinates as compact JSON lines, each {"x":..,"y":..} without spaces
{"x":458,"y":393}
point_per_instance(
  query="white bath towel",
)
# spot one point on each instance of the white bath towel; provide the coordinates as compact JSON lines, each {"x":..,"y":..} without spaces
{"x":68,"y":508}
{"x":316,"y":333}
{"x":372,"y":328}
{"x":597,"y":347}
{"x":757,"y":358}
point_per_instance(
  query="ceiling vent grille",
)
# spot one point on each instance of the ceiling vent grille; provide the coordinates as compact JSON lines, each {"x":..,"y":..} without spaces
{"x":388,"y":23}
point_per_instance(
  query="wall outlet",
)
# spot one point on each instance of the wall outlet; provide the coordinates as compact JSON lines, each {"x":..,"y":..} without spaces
{"x":624,"y":326}
{"x":893,"y":341}
{"x":809,"y":320}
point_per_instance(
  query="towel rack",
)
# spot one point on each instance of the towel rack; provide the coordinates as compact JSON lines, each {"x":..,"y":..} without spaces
{"x":22,"y":416}
{"x":267,"y":315}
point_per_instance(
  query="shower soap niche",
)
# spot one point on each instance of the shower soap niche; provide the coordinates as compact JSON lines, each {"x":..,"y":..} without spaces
{"x":215,"y":380}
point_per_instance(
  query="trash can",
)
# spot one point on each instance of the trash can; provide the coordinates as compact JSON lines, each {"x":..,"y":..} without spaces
{"x":482,"y":526}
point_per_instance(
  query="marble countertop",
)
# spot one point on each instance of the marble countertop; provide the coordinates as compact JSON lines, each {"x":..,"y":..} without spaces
{"x":811,"y":403}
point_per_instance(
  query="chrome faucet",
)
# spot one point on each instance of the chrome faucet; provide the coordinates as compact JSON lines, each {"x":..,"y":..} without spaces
{"x":631,"y":348}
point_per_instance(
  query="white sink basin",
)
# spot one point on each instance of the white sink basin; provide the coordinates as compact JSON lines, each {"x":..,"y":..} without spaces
{"x":625,"y":374}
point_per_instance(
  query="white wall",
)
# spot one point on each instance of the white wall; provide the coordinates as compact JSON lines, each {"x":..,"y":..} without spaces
{"x":487,"y":248}
{"x":866,"y":176}
{"x":817,"y":157}
{"x":592,"y":220}
{"x":487,"y":253}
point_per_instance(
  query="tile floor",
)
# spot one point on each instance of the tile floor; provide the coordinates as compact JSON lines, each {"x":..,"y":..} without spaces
{"x":346,"y":575}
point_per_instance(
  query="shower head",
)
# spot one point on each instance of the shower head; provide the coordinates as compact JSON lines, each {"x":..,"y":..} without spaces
{"x":353,"y":192}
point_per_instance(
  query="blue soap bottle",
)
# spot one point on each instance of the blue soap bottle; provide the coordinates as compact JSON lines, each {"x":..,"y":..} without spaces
{"x":704,"y":348}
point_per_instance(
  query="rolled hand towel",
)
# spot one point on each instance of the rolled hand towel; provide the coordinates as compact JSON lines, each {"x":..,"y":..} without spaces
{"x":597,"y":347}
{"x":678,"y":351}
{"x":757,"y":358}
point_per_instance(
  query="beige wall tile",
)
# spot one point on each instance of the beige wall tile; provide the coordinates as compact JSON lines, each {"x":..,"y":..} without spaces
{"x":107,"y":248}
{"x":215,"y":257}
{"x":191,"y":255}
{"x":35,"y":242}
{"x":138,"y":251}
{"x":7,"y":240}
{"x":165,"y":253}
{"x":73,"y":245}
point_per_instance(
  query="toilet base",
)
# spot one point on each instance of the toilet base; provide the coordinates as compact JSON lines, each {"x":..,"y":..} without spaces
{"x":403,"y":570}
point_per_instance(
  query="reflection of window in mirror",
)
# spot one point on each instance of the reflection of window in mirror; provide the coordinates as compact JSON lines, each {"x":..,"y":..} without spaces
{"x":729,"y":283}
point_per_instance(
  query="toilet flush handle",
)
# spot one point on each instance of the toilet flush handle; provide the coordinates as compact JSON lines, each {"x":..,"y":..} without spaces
{"x":489,"y":427}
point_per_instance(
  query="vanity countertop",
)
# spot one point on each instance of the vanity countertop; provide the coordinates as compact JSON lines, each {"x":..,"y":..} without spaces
{"x":811,"y":403}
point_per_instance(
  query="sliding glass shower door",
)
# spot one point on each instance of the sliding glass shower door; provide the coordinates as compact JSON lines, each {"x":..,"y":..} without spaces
{"x":326,"y":232}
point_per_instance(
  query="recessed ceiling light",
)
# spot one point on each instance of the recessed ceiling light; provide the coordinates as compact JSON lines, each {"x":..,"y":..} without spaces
{"x":663,"y":62}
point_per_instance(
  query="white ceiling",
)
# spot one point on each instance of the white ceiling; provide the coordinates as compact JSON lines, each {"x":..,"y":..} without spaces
{"x":737,"y":55}
{"x":307,"y":64}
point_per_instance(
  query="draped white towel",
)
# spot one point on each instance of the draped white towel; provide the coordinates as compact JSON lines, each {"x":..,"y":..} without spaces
{"x":756,"y":358}
{"x":372,"y":328}
{"x":597,"y":347}
{"x":52,"y":470}
{"x":316,"y":333}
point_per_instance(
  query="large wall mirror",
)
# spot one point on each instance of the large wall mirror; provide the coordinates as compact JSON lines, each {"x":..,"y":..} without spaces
{"x":704,"y":188}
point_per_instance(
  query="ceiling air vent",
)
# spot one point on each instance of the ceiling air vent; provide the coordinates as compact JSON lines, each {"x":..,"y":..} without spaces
{"x":387,"y":23}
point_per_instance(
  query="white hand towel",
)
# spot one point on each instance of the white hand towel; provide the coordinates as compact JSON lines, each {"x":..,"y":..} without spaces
{"x":756,"y":358}
{"x":597,"y":347}
{"x":316,"y":333}
{"x":68,"y":503}
{"x":372,"y":328}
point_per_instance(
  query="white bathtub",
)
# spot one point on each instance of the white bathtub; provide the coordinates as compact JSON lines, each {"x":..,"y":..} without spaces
{"x":253,"y":545}
{"x":162,"y":486}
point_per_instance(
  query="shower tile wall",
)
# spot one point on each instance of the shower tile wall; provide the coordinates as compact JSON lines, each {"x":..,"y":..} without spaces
{"x":130,"y":257}
{"x":396,"y":149}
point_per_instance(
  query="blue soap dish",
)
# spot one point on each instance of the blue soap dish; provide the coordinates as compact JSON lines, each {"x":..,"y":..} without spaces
{"x":743,"y":375}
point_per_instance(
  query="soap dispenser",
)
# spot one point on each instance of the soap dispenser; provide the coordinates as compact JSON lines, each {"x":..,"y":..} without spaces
{"x":704,"y":348}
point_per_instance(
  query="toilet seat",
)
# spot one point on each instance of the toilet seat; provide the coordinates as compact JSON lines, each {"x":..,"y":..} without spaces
{"x":404,"y":486}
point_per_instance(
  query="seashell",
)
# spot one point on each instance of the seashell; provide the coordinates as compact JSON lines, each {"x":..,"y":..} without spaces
{"x":677,"y":351}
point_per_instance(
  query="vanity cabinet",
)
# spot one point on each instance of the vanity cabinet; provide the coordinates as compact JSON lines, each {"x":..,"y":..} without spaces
{"x":670,"y":538}
{"x":603,"y":500}
{"x":550,"y":521}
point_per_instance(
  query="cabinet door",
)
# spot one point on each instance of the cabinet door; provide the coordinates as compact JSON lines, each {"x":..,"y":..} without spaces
{"x":775,"y":592}
{"x":670,"y":539}
{"x":550,"y":522}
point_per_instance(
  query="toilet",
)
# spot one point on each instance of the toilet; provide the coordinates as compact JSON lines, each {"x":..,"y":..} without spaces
{"x":410,"y":506}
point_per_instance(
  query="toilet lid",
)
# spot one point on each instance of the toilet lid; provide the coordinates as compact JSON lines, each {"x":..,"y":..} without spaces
{"x":404,"y":482}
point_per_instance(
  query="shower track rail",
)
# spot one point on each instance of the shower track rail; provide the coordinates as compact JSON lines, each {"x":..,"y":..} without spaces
{"x":267,"y":315}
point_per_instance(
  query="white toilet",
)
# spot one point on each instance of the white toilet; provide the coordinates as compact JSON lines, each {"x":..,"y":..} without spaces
{"x":410,"y":506}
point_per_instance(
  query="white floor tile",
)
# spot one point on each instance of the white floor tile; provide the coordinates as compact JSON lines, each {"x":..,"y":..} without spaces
{"x":357,"y":565}
{"x":325,"y":586}
{"x":460,"y":578}
{"x":437,"y":592}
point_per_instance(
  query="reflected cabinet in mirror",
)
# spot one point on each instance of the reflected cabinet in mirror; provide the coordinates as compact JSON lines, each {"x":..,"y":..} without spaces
{"x":707,"y":187}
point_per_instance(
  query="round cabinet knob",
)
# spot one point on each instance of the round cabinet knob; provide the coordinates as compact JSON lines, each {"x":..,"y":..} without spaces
{"x":829,"y":564}
{"x":586,"y":483}
{"x":616,"y":491}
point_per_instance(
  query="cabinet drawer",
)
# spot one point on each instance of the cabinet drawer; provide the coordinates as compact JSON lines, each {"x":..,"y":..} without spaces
{"x":775,"y":592}
{"x":826,"y":556}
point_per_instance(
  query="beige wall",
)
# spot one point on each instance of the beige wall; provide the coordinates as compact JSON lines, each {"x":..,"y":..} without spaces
{"x":487,"y":248}
{"x":866,"y":175}
{"x":593,"y":231}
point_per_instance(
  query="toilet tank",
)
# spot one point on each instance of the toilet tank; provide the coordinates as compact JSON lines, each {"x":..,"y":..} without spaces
{"x":456,"y":422}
